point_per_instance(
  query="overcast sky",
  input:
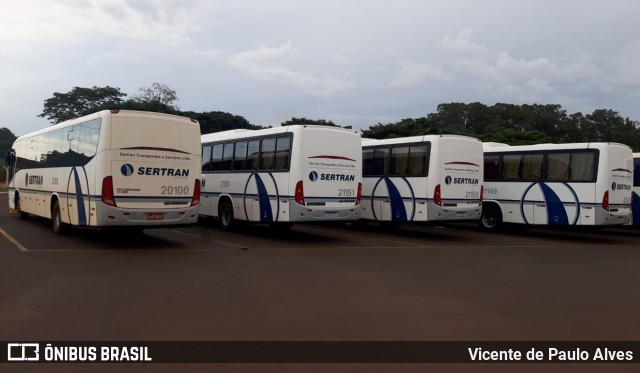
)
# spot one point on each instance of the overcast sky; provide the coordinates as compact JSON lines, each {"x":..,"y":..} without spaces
{"x":354,"y":62}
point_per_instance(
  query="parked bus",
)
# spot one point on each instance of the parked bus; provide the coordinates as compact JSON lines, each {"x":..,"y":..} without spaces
{"x":282,"y":176}
{"x":422,"y":178}
{"x":557,"y":184}
{"x":113,"y":168}
{"x":635,"y":196}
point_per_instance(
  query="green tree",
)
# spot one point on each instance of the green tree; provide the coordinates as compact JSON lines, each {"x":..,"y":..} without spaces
{"x":81,"y":101}
{"x":216,"y":121}
{"x":317,"y":122}
{"x":516,"y":137}
{"x":157,"y":107}
{"x":404,"y":128}
{"x":158,"y":94}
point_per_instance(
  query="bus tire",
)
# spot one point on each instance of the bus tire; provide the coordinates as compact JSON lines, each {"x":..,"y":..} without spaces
{"x":225,"y":214}
{"x":491,"y":218}
{"x":56,"y":218}
{"x":21,"y":214}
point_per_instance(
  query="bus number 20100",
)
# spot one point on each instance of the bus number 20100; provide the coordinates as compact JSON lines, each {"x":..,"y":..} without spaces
{"x":175,"y":190}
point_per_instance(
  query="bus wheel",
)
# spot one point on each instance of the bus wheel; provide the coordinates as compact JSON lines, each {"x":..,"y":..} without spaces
{"x":58,"y":226}
{"x":491,"y":218}
{"x":226,"y":216}
{"x":21,"y":214}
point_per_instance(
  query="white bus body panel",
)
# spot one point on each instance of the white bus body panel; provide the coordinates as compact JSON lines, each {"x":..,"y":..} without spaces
{"x":128,"y":141}
{"x":454,"y":163}
{"x":567,"y":203}
{"x":327,"y":160}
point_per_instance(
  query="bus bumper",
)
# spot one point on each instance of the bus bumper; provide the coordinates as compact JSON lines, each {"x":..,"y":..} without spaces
{"x":108,"y":216}
{"x":308,"y":214}
{"x":437,"y":212}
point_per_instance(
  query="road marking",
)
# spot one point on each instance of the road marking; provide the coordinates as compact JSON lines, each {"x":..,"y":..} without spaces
{"x":13,"y":240}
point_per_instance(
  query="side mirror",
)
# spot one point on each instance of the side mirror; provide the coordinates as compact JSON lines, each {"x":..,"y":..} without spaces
{"x":10,"y":158}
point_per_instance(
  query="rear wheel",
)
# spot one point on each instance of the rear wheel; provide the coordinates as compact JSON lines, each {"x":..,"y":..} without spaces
{"x":491,"y":218}
{"x":58,"y":226}
{"x":225,"y":213}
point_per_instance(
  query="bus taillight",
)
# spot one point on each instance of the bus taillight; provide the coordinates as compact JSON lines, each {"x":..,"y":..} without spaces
{"x":359,"y":195}
{"x":605,"y":201}
{"x":196,"y":194}
{"x":115,"y":111}
{"x":299,"y":195}
{"x":107,"y":191}
{"x":437,"y":196}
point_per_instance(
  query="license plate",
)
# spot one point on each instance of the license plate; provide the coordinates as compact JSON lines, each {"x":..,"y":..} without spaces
{"x":331,"y":214}
{"x":155,"y":216}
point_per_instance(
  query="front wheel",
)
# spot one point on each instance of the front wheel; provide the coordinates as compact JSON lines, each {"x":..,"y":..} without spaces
{"x":225,"y":214}
{"x":21,"y":214}
{"x":58,"y":226}
{"x":491,"y":218}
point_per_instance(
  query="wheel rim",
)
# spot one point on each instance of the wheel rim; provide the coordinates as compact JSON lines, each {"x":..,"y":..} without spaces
{"x":489,"y":220}
{"x":226,"y":216}
{"x":56,"y":219}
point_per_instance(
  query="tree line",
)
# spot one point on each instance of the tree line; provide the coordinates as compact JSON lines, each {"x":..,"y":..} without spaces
{"x":506,"y":123}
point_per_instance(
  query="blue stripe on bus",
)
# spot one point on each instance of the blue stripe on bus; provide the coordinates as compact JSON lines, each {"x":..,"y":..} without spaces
{"x":266,"y":215}
{"x":398,"y":211}
{"x":82,"y":217}
{"x":556,"y":214}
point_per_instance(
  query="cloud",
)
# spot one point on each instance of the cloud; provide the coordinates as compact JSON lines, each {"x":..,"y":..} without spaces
{"x":266,"y":64}
{"x":414,"y":74}
{"x":463,"y":46}
{"x":50,"y":24}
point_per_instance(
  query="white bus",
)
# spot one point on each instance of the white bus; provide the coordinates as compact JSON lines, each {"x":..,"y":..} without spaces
{"x":635,"y":197}
{"x":421,"y":178}
{"x":585,"y":184}
{"x":113,"y":168}
{"x":281,"y":176}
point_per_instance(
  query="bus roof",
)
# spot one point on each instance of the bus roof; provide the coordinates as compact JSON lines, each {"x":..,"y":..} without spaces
{"x":104,"y":114}
{"x":491,"y":147}
{"x":404,"y":140}
{"x":245,"y":133}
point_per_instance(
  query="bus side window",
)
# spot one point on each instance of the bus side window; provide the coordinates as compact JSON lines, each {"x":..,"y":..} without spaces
{"x":558,"y":167}
{"x":283,"y":153}
{"x":267,"y":154}
{"x":511,"y":166}
{"x":240,"y":156}
{"x":368,"y":162}
{"x":216,"y":157}
{"x":206,"y":158}
{"x":253,"y":154}
{"x":582,"y":166}
{"x":417,"y":160}
{"x":381,"y":161}
{"x":492,"y":167}
{"x":532,"y":166}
